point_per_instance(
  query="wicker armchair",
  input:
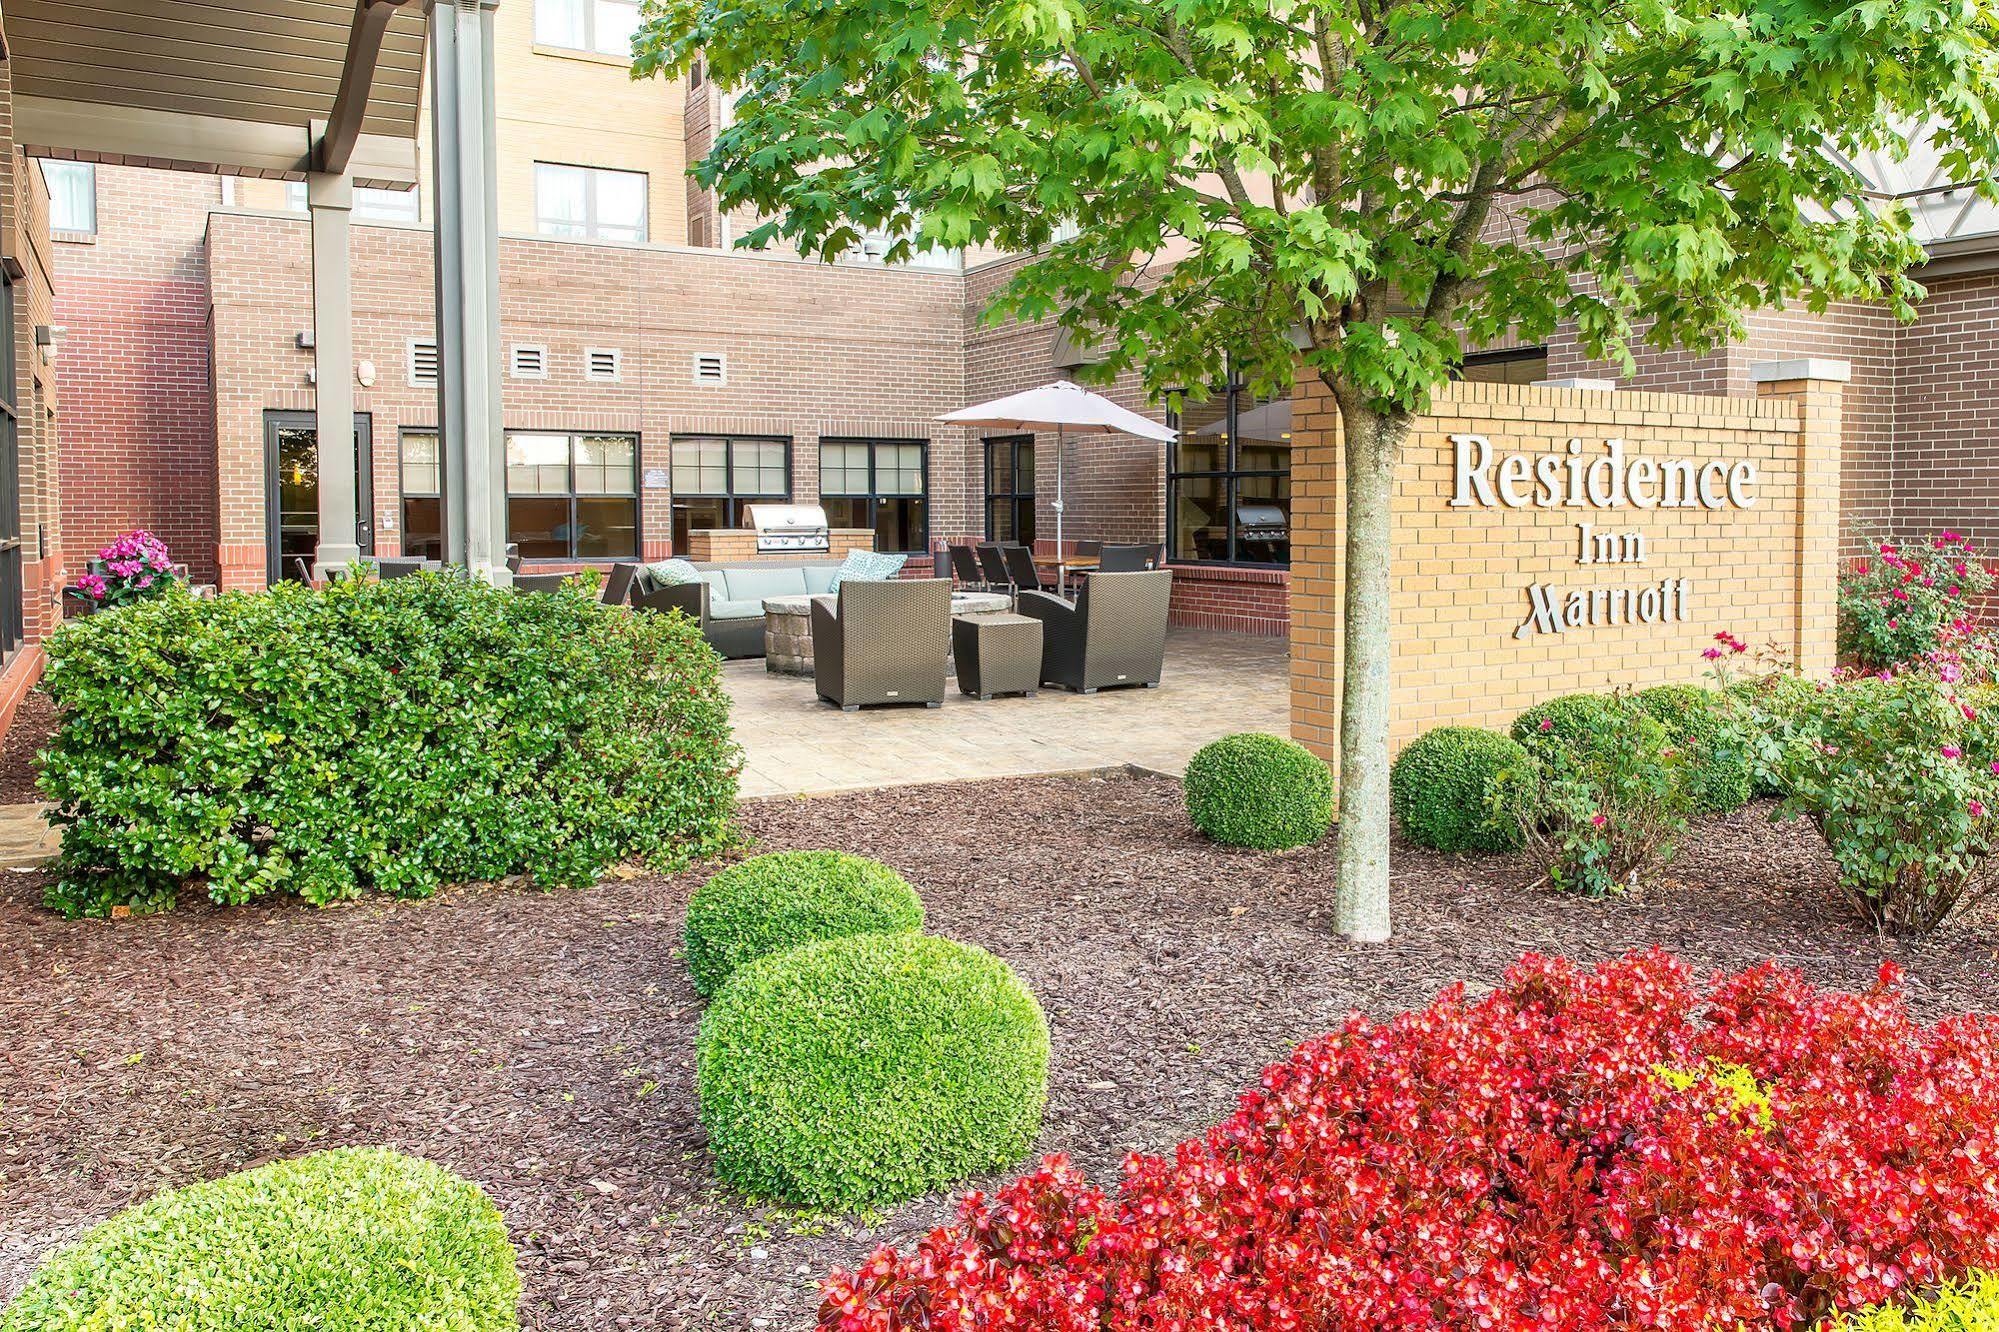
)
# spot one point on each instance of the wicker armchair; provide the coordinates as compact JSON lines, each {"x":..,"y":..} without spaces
{"x":883,"y":642}
{"x":1113,"y":634}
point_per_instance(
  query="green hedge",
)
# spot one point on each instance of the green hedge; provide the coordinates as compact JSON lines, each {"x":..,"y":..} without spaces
{"x":362,"y":1240}
{"x":392,"y":736}
{"x":1259,"y":791}
{"x":1720,"y":773}
{"x":1567,"y":719}
{"x":862,"y":1071}
{"x":1441,"y":789}
{"x":773,"y":902}
{"x":1971,"y":1305}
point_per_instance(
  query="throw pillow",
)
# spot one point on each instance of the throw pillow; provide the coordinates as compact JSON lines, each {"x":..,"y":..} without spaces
{"x":867,"y":566}
{"x":673,"y":573}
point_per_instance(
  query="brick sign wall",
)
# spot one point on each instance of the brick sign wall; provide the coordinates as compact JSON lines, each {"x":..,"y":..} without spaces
{"x":1552,"y":540}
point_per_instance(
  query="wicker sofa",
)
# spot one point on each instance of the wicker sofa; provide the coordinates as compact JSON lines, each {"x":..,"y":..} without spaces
{"x":729,"y":599}
{"x":1113,"y":634}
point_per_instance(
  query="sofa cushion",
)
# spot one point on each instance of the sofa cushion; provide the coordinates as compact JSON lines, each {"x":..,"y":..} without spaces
{"x":726,"y":609}
{"x":751,"y":583}
{"x":821,"y":578}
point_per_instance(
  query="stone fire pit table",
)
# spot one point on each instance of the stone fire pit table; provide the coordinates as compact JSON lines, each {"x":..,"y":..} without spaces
{"x":788,"y":626}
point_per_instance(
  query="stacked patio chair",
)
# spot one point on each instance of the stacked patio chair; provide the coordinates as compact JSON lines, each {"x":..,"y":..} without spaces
{"x":531,"y":583}
{"x":513,"y":557}
{"x":399,"y":566}
{"x":1020,"y":568}
{"x":1125,"y":559}
{"x":994,"y":564}
{"x":1113,"y":634}
{"x":882,"y":643}
{"x":618,"y":584}
{"x":965,"y":568}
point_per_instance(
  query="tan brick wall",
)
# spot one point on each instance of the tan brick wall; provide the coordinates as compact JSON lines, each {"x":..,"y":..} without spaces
{"x":1764,"y":572}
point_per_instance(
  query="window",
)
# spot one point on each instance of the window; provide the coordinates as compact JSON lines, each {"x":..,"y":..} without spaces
{"x":1521,"y":365}
{"x":603,"y":26}
{"x":1010,"y":489}
{"x":606,"y":365}
{"x":573,"y":496}
{"x":1228,"y":480}
{"x":882,"y":484}
{"x":591,"y":203}
{"x":13,"y":583}
{"x":423,"y":495}
{"x":529,"y":360}
{"x":714,"y":476}
{"x":370,"y":205}
{"x":422,"y":363}
{"x":72,"y":195}
{"x":711,"y":368}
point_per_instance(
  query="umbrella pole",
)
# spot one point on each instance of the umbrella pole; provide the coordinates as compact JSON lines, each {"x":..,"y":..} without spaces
{"x":1061,"y":449}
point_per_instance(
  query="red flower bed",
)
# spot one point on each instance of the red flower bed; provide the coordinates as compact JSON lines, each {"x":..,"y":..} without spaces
{"x":1522,"y":1161}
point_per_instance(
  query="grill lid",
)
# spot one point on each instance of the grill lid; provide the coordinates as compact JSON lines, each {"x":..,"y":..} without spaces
{"x":808,"y":518}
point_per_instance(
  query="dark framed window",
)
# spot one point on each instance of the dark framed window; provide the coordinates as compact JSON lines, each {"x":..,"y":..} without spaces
{"x":1228,"y":480}
{"x":879,"y":484}
{"x":1516,"y":365}
{"x":573,"y":496}
{"x":422,"y":473}
{"x":13,"y":614}
{"x":1010,"y":489}
{"x":714,"y":476}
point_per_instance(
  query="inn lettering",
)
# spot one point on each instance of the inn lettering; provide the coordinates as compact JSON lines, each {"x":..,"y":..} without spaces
{"x":1598,"y":479}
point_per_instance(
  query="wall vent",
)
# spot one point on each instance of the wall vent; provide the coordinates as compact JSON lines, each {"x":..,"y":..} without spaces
{"x":422,"y":363}
{"x":604,"y":364}
{"x":529,"y":360}
{"x":711,"y":368}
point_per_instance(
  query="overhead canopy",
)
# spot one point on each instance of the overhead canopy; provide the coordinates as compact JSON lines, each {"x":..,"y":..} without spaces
{"x":244,"y":88}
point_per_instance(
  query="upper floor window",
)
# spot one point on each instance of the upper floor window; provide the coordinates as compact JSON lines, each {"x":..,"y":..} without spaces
{"x":602,"y":26}
{"x":589,"y":202}
{"x":72,"y":195}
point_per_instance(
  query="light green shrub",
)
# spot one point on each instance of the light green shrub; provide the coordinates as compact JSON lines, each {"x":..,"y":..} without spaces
{"x":378,"y":736}
{"x":773,"y":902}
{"x":1971,"y":1305}
{"x":1719,"y":770}
{"x":1259,"y":791}
{"x":355,"y":1239}
{"x":1442,"y":789}
{"x":866,"y":1070}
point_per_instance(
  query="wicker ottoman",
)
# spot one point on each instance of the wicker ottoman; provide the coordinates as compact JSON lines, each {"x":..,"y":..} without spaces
{"x":997,"y":654}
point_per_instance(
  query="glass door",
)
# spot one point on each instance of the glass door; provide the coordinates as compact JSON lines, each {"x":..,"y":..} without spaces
{"x":291,"y":491}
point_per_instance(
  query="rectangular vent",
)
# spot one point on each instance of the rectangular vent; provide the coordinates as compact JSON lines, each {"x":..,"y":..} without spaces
{"x":711,"y":368}
{"x":529,"y":361}
{"x":605,"y":364}
{"x":423,"y":363}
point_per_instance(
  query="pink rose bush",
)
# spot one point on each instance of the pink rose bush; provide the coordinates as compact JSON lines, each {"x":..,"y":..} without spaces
{"x":1916,"y":602}
{"x":134,"y":567}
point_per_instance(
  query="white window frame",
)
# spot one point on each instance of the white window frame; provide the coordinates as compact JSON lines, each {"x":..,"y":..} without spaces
{"x":89,"y":169}
{"x":617,"y":355}
{"x":591,"y":45}
{"x":591,"y":221}
{"x":411,"y":360}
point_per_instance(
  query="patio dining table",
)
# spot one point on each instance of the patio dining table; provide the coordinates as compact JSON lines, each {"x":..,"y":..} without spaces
{"x":1064,"y":568}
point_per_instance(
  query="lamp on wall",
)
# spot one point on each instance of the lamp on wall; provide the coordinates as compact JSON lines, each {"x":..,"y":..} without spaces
{"x":47,"y":336}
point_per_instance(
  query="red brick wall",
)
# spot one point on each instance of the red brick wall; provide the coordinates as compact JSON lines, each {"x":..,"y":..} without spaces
{"x":1946,"y":433}
{"x":139,"y":439}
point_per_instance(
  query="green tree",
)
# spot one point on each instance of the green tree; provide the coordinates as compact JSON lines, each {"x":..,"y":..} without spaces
{"x":1361,"y":188}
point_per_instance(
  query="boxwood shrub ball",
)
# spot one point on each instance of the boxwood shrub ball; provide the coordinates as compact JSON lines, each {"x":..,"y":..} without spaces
{"x":772,"y":902}
{"x":1720,"y":773}
{"x":1259,"y":791}
{"x":861,"y":1071}
{"x":359,"y":1239}
{"x":1441,"y":789}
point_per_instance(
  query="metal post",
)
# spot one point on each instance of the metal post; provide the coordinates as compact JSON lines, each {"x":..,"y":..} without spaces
{"x":465,"y":203}
{"x":329,"y":200}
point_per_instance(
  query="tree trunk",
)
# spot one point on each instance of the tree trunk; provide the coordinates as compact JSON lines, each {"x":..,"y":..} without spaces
{"x":1373,"y":443}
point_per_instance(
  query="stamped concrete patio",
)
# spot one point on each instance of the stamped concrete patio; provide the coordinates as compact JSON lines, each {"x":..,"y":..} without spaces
{"x":1214,"y":685}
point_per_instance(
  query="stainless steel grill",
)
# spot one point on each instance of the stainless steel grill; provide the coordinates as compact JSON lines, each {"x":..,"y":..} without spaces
{"x":789,"y":528}
{"x":1261,"y":522}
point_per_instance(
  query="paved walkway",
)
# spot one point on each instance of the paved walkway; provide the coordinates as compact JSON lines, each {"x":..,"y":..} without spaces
{"x":26,"y":840}
{"x":1214,"y":684}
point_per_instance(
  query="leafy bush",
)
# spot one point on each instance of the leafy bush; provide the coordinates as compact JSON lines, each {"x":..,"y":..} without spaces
{"x":778,"y":901}
{"x":1443,"y":785}
{"x":1909,"y":600}
{"x":393,"y":736}
{"x":1259,"y":791}
{"x":1518,"y":1161}
{"x":1898,"y":775}
{"x":1702,"y":725}
{"x":362,"y":1240}
{"x":1971,"y":1305}
{"x":870,"y":1069}
{"x":135,"y":567}
{"x":1603,"y":801}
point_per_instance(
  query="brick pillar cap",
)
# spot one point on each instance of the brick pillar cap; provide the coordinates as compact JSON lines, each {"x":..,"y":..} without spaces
{"x":1584,"y":385}
{"x":1816,"y":367}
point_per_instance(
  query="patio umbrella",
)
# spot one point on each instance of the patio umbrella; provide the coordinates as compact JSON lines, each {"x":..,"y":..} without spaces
{"x":1056,"y":407}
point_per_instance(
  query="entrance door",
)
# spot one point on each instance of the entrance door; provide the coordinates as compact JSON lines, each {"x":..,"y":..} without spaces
{"x":291,"y":490}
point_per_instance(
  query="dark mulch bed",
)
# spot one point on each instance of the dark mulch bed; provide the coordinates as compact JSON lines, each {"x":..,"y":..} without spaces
{"x":543,"y":1044}
{"x":34,"y":723}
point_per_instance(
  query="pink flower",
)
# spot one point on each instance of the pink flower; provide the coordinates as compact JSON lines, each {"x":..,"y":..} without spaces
{"x":1547,"y":723}
{"x":1951,"y":751}
{"x":1893,"y":624}
{"x":1712,"y":654}
{"x":1597,"y":820}
{"x":1975,"y":808}
{"x":1995,"y":766}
